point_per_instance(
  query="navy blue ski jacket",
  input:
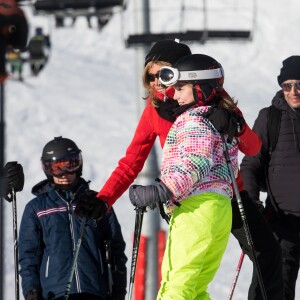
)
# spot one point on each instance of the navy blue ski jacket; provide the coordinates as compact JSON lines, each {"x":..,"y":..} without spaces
{"x":49,"y":232}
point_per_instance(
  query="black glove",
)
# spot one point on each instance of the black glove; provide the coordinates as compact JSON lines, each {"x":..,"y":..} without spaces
{"x":226,"y":121}
{"x":142,"y":196}
{"x":13,"y":179}
{"x":88,"y":205}
{"x":34,"y":295}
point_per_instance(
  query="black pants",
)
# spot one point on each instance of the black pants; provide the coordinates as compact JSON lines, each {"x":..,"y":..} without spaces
{"x":267,"y":250}
{"x":287,"y":231}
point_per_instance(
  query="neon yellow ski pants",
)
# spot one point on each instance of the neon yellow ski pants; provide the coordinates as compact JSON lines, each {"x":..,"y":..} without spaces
{"x":198,"y":236}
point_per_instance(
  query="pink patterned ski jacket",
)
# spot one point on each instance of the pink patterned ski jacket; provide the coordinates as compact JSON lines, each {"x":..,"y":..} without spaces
{"x":193,"y":160}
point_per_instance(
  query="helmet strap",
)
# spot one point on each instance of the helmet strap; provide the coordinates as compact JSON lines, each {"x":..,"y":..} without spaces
{"x":199,"y":96}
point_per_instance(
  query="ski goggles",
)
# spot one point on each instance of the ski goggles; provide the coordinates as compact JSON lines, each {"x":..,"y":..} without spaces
{"x":59,"y":167}
{"x":286,"y":87}
{"x":169,"y":76}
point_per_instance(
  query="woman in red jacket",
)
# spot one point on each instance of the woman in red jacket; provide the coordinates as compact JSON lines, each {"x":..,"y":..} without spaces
{"x":156,"y":120}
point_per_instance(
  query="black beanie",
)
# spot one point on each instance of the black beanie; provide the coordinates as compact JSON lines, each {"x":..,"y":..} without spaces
{"x":167,"y":50}
{"x":290,"y":69}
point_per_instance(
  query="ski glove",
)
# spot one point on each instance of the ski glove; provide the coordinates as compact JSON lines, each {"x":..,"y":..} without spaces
{"x":150,"y":195}
{"x":226,"y":122}
{"x":90,"y":206}
{"x":34,"y":295}
{"x":13,"y":179}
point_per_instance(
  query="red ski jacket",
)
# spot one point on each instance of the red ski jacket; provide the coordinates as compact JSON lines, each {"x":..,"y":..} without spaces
{"x":150,"y":126}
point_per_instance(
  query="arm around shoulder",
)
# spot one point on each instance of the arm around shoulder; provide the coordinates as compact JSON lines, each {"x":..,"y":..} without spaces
{"x":250,"y":142}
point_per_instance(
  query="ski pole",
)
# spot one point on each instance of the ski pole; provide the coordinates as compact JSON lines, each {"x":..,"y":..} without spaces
{"x":135,"y":249}
{"x":236,"y":276}
{"x":239,"y":266}
{"x":68,"y":288}
{"x":16,"y":255}
{"x":243,"y":217}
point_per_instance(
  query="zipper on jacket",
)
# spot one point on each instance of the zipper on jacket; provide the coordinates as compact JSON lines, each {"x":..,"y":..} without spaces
{"x":70,"y":214}
{"x":76,"y":277}
{"x":47,"y":267}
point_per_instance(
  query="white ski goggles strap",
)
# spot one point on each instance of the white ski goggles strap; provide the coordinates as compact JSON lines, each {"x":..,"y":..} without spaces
{"x":169,"y":76}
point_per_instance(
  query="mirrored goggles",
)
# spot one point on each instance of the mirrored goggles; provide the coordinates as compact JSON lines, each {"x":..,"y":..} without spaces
{"x":286,"y":87}
{"x":169,"y":76}
{"x":68,"y":165}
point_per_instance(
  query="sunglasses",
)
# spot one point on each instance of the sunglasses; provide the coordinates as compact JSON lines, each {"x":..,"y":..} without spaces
{"x":286,"y":87}
{"x":152,"y":77}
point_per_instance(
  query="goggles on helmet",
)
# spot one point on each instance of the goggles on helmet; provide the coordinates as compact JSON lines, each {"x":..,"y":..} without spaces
{"x":59,"y":167}
{"x":169,"y":76}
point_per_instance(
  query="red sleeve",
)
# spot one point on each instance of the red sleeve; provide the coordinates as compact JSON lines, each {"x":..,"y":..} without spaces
{"x":239,"y":182}
{"x":250,"y":142}
{"x":132,"y":163}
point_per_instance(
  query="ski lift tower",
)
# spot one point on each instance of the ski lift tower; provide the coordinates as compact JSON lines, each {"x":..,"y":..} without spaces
{"x":163,"y":14}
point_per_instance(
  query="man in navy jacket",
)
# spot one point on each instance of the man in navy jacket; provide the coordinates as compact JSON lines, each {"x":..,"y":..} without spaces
{"x":50,"y":230}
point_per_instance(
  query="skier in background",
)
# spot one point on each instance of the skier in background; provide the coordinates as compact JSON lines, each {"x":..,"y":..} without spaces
{"x":15,"y":61}
{"x":38,"y":48}
{"x":49,"y":233}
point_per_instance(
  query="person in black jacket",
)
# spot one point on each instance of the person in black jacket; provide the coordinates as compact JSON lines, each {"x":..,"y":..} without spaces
{"x":278,"y":171}
{"x":50,"y":230}
{"x":39,"y":50}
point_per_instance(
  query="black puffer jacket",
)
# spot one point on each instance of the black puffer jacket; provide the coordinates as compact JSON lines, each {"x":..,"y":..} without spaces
{"x":284,"y":166}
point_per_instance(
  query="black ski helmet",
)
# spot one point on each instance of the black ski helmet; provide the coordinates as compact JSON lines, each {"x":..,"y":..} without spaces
{"x":60,"y":149}
{"x":205,"y":85}
{"x":201,"y":62}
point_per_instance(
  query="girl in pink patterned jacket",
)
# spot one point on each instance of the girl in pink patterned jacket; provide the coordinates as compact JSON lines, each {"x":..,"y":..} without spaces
{"x":195,"y":181}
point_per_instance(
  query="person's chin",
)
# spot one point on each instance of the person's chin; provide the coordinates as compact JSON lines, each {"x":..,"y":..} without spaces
{"x":295,"y":102}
